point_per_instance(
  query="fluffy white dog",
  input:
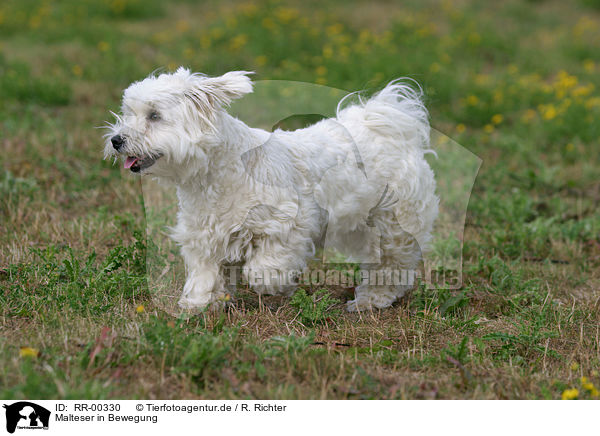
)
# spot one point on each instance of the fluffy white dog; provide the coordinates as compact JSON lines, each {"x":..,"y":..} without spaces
{"x":263,"y":200}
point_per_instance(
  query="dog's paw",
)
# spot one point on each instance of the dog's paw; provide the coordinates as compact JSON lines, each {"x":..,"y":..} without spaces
{"x":365,"y":304}
{"x":358,"y":305}
{"x":191,"y":303}
{"x":195,"y":295}
{"x":215,"y":301}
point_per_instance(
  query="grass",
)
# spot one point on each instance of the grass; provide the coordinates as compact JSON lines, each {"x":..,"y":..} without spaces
{"x":515,"y":82}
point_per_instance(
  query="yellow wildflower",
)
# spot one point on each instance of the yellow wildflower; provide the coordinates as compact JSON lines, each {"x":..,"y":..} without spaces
{"x":29,"y":352}
{"x":35,"y":21}
{"x":140,"y":309}
{"x":117,"y":6}
{"x":497,"y":119}
{"x":570,"y":394}
{"x":482,"y":79}
{"x":588,"y":386}
{"x":268,"y":23}
{"x":249,"y":9}
{"x":441,"y":140}
{"x":77,"y":70}
{"x":583,"y":25}
{"x":103,"y":46}
{"x":238,"y":42}
{"x":334,"y":29}
{"x":321,"y":70}
{"x":589,"y":65}
{"x":260,"y":60}
{"x":364,"y":35}
{"x":285,"y":15}
{"x":570,"y":147}
{"x":566,"y":80}
{"x":549,"y":112}
{"x":563,"y":83}
{"x":488,"y":128}
{"x":592,"y":102}
{"x":574,"y":366}
{"x":582,"y":91}
{"x":472,"y":100}
{"x":460,"y":128}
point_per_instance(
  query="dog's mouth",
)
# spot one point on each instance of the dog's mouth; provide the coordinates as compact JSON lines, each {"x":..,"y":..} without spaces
{"x":139,"y":163}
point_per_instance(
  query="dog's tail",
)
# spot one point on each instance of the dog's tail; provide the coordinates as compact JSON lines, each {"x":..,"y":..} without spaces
{"x":397,"y":111}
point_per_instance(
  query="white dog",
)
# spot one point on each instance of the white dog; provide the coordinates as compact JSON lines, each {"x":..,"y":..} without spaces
{"x":258,"y":198}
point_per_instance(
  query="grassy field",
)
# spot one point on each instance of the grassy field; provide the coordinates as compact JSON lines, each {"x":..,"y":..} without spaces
{"x":516,"y":82}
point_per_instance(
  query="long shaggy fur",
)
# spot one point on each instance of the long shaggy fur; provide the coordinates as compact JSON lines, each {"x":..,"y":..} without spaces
{"x":265,"y":199}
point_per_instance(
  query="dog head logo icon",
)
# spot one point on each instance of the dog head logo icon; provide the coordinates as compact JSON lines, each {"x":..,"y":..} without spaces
{"x":26,"y":415}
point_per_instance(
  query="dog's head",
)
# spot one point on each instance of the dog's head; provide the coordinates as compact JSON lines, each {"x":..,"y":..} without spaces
{"x":169,"y":120}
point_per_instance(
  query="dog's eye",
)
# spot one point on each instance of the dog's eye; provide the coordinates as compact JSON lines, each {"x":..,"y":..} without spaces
{"x":153,"y":116}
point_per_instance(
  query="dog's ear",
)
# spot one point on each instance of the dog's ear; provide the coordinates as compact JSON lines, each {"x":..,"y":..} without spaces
{"x":229,"y":86}
{"x":219,"y":91}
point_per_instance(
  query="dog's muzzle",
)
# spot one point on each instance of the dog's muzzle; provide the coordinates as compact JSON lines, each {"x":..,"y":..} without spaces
{"x":133,"y":163}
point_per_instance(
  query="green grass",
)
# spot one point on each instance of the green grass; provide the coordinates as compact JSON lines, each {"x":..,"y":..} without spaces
{"x":517,"y":83}
{"x":316,"y":308}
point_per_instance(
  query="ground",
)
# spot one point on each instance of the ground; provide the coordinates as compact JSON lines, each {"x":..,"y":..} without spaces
{"x":515,"y":82}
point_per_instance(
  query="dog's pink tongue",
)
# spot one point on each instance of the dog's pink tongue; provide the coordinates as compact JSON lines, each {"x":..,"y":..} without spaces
{"x":129,"y":162}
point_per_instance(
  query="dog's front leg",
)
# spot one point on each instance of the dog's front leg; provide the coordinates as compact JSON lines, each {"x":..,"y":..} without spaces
{"x":204,"y":283}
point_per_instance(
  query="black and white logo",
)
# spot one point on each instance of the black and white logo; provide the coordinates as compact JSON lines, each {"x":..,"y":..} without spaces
{"x":26,"y":415}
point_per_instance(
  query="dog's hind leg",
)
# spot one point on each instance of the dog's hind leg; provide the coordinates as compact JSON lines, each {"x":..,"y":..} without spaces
{"x":389,"y":280}
{"x":275,"y":266}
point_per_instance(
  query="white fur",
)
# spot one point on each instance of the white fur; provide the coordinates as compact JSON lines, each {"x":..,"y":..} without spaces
{"x":247,"y":195}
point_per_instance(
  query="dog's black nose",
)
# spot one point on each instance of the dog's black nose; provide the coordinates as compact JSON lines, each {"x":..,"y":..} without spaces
{"x":117,"y":142}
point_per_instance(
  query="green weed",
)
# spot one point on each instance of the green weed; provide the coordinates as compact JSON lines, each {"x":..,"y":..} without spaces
{"x":316,"y":308}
